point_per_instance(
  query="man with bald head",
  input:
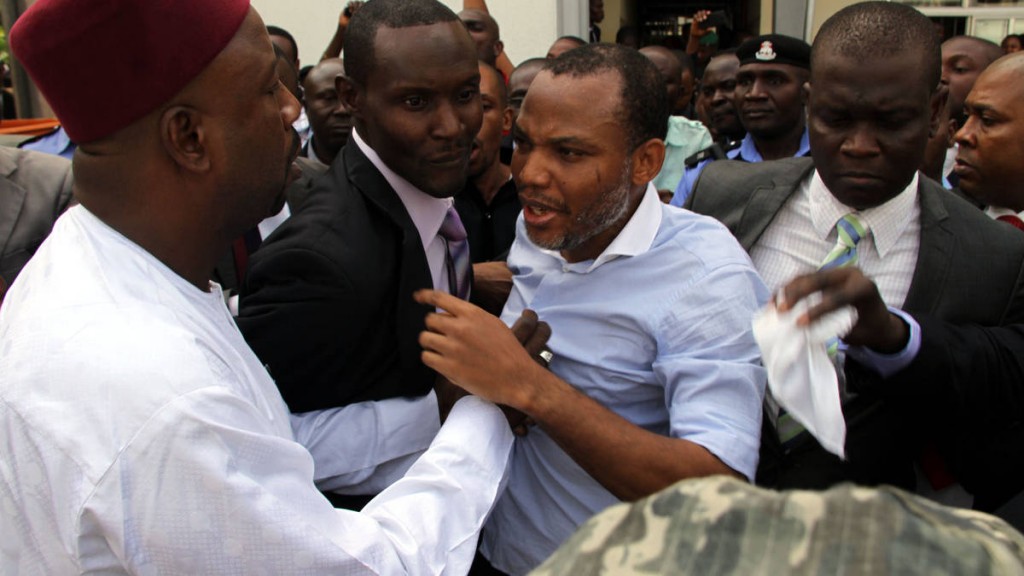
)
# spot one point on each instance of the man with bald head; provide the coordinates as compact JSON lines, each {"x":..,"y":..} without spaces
{"x":145,"y":427}
{"x":486,"y":34}
{"x":963,"y":59}
{"x":330,"y":123}
{"x":329,"y":118}
{"x":685,"y":137}
{"x":563,"y":45}
{"x":926,"y":249}
{"x":518,"y":85}
{"x":990,"y":161}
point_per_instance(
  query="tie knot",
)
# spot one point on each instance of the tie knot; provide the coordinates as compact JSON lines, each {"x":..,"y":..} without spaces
{"x":452,"y":228}
{"x":851,"y":230}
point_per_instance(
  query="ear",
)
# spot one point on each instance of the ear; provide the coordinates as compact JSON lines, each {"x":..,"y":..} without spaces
{"x":647,"y":159}
{"x":805,"y":92}
{"x":506,"y":119}
{"x":185,"y":138}
{"x":499,"y":46}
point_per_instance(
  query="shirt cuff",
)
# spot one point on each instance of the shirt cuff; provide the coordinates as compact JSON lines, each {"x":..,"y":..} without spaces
{"x":886,"y":365}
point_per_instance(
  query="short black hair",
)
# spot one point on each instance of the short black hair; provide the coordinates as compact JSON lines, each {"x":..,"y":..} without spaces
{"x":875,"y":30}
{"x":278,"y":31}
{"x":990,"y":49}
{"x":362,"y":29}
{"x":642,"y":97}
{"x":537,"y":62}
{"x":571,"y":38}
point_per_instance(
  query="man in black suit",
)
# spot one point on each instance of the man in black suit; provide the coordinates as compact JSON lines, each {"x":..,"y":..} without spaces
{"x":928,"y":251}
{"x":970,"y":376}
{"x":327,"y":304}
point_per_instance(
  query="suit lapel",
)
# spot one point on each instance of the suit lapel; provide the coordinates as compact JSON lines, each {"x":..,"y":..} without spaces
{"x":933,"y":255}
{"x":413,"y":270}
{"x":766,"y":201}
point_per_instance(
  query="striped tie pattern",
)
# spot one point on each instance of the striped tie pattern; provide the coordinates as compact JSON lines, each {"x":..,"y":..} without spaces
{"x":850,"y":232}
{"x":456,"y":259}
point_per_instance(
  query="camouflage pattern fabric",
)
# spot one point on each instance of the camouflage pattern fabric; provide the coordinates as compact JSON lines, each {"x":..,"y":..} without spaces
{"x":719,"y":526}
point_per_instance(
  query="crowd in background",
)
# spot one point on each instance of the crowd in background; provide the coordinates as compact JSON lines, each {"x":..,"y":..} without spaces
{"x":419,"y":308}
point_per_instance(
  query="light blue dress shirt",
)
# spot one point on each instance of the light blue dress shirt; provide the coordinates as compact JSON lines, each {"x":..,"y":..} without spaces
{"x":746,"y":152}
{"x":657,"y":329}
{"x":57,"y":143}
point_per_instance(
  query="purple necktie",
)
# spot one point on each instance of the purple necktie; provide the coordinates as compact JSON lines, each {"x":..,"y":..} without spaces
{"x":456,"y":254}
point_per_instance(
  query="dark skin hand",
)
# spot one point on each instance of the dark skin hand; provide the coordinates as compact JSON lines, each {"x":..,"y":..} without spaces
{"x":478,"y":352}
{"x":533,"y":335}
{"x":876,"y":327}
{"x":492,"y":283}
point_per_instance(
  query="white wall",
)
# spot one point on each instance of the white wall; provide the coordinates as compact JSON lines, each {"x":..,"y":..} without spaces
{"x":528,"y":27}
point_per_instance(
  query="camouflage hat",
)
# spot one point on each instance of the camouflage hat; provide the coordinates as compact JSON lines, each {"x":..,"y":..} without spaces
{"x":721,"y":525}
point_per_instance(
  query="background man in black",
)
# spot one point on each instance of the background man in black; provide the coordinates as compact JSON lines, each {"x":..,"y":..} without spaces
{"x":489,"y":205}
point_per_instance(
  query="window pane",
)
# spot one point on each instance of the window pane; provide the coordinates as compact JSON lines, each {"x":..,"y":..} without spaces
{"x":994,"y":29}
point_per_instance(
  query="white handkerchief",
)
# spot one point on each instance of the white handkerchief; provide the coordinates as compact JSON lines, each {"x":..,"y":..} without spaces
{"x":801,"y":376}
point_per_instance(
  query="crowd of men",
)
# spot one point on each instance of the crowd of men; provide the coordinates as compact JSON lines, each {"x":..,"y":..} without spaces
{"x":416,"y":309}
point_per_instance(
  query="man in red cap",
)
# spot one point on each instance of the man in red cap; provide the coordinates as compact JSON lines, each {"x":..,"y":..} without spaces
{"x":141,"y":434}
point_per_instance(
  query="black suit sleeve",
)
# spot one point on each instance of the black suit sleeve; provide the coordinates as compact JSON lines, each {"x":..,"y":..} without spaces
{"x":302,"y":315}
{"x":977,"y":371}
{"x":966,"y":387}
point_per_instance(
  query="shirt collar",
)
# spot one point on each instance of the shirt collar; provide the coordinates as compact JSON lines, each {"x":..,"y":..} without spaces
{"x":748,"y":150}
{"x":995,"y":212}
{"x":886,"y":222}
{"x":426,"y":211}
{"x":636,"y":237}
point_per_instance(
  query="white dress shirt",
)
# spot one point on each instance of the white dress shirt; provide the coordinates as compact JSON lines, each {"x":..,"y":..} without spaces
{"x":142,"y":435}
{"x":804,"y":232}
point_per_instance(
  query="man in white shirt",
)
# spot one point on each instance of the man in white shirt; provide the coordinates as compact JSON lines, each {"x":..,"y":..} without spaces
{"x":926,"y":249}
{"x":990,"y":162}
{"x":141,"y":434}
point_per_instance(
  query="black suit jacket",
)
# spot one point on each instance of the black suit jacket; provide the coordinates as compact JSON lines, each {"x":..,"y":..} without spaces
{"x":972,"y":376}
{"x":327,"y":303}
{"x":969,"y":269}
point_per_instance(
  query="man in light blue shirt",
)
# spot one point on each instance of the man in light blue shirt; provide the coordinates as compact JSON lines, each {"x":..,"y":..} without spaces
{"x":773,"y":70}
{"x":654,"y":374}
{"x":56,"y":142}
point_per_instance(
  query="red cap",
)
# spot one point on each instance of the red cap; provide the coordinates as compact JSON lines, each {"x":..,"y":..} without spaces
{"x":103,"y":64}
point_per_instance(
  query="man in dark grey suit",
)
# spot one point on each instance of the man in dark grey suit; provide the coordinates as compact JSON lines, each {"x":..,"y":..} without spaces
{"x":35,"y":188}
{"x":928,"y":251}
